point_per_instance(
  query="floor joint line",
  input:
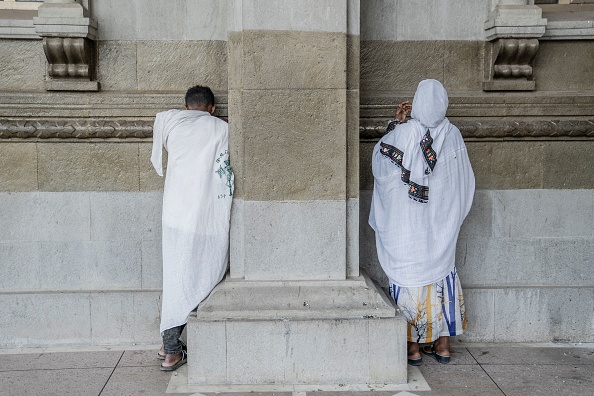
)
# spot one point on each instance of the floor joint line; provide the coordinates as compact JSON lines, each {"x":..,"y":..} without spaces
{"x":110,"y":374}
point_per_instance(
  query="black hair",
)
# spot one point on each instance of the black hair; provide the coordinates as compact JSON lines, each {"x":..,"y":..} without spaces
{"x":199,"y":95}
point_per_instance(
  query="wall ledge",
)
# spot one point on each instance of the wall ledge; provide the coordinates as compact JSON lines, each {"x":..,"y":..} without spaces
{"x":569,"y":22}
{"x":41,"y":116}
{"x":18,"y":24}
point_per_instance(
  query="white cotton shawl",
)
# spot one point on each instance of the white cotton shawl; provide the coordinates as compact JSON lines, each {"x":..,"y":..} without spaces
{"x":416,"y":242}
{"x":196,"y":208}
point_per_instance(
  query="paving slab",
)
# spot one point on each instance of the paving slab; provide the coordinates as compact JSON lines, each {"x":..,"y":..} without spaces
{"x":179,"y":384}
{"x":392,"y":393}
{"x":528,"y":355}
{"x":68,"y":382}
{"x":537,"y":380}
{"x":132,"y":381}
{"x":267,"y":394}
{"x":456,"y":380}
{"x":510,"y":369}
{"x":59,"y":360}
{"x":146,"y":358}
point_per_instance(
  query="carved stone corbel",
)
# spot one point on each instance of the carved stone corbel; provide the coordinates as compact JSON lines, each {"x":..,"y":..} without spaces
{"x":508,"y":65}
{"x":69,"y":42}
{"x":512,"y":29}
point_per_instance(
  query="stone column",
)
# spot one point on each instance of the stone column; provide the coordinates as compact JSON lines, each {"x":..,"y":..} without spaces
{"x":512,"y":29}
{"x":288,"y":115}
{"x":295,"y":309}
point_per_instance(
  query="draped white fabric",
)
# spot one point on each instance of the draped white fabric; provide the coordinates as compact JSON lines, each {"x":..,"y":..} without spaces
{"x":416,"y":242}
{"x":428,"y":114}
{"x":196,"y":208}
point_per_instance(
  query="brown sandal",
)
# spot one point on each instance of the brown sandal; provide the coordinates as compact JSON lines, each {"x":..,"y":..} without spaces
{"x":182,"y":361}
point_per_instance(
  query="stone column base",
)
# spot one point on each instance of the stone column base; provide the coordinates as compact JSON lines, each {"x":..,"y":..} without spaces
{"x":289,"y":332}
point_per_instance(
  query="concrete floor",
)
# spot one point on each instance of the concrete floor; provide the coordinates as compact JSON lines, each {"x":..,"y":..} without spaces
{"x":475,"y":369}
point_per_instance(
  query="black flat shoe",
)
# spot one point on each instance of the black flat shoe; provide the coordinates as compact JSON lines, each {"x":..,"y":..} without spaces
{"x":429,"y":350}
{"x":415,"y":362}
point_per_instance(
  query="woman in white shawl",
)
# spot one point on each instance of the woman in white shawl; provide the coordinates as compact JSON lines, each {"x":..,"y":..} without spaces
{"x":423,"y":190}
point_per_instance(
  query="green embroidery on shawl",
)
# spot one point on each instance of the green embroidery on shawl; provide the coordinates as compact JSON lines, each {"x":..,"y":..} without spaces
{"x":226,"y":170}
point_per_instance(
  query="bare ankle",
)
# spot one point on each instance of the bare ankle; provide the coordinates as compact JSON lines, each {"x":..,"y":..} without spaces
{"x":442,"y":345}
{"x":171,"y":359}
{"x":413,"y":349}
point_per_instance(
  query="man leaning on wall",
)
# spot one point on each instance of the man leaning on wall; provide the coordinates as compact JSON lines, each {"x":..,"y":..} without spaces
{"x":196,"y":212}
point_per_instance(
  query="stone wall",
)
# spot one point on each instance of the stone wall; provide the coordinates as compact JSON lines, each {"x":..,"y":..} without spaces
{"x":80,"y":268}
{"x":80,"y":240}
{"x":130,"y":66}
{"x":81,"y":230}
{"x":79,"y":244}
{"x":525,"y":249}
{"x":423,"y":20}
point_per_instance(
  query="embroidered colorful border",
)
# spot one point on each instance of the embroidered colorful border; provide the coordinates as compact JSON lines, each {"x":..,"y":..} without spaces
{"x":416,"y":191}
{"x":392,"y":125}
{"x":392,"y":153}
{"x":428,"y":152}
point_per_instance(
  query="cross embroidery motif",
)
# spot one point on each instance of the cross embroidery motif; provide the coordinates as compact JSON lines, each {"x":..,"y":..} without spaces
{"x":226,"y":170}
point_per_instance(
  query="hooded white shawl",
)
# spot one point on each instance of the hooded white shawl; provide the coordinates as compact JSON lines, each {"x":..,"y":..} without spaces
{"x":196,"y":208}
{"x":416,"y":235}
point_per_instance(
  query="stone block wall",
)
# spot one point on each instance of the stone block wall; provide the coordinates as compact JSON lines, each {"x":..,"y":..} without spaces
{"x":85,"y":265}
{"x":79,"y":245}
{"x":524,"y":253}
{"x":525,"y":250}
{"x":126,"y":66}
{"x":84,"y":166}
{"x":81,"y":232}
{"x":22,"y":66}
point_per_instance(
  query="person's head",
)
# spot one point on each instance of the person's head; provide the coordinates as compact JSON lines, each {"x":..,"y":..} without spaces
{"x":200,"y":98}
{"x":430,"y":103}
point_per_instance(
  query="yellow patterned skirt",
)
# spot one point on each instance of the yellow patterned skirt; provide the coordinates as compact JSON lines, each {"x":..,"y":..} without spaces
{"x":432,"y":311}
